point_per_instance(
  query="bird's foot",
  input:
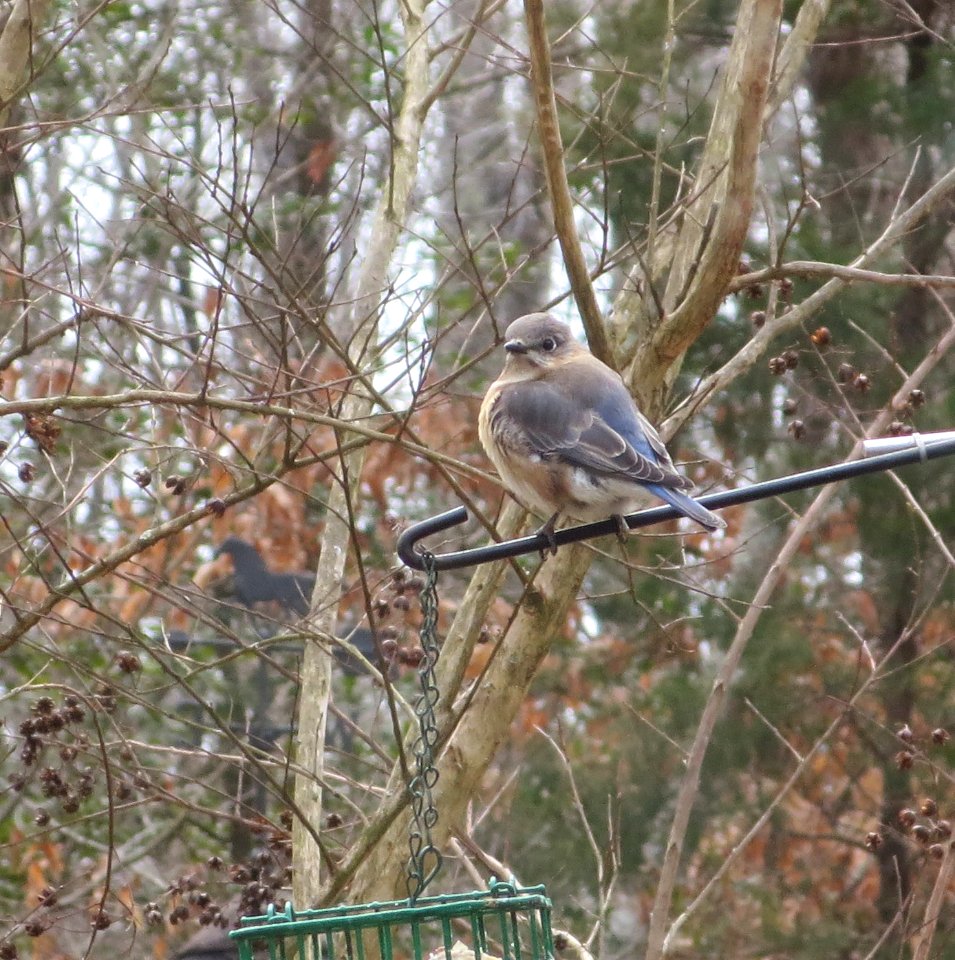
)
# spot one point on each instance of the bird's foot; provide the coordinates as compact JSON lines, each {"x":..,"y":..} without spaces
{"x":547,"y":532}
{"x":623,"y":531}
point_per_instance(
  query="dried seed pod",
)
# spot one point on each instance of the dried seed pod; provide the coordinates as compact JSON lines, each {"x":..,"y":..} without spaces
{"x":26,"y":472}
{"x":42,"y":725}
{"x":758,"y":319}
{"x":905,"y":734}
{"x":873,"y":840}
{"x":916,"y":398}
{"x":175,"y":484}
{"x":797,"y":428}
{"x":84,"y":785}
{"x":861,"y":383}
{"x":936,"y":851}
{"x":821,"y":337}
{"x":791,"y":359}
{"x":921,"y":833}
{"x":940,"y":736}
{"x":907,"y":818}
{"x":785,"y":290}
{"x":942,"y":829}
{"x":401,"y":603}
{"x":388,"y":648}
{"x":216,"y":507}
{"x":143,"y":477}
{"x":790,"y":406}
{"x":928,"y":807}
{"x":905,"y":759}
{"x":47,"y":897}
{"x":845,"y":373}
{"x":127,"y":662}
{"x":777,"y":366}
{"x":43,"y":430}
{"x":73,"y":712}
{"x":215,"y":863}
{"x":411,"y":656}
{"x":333,"y":820}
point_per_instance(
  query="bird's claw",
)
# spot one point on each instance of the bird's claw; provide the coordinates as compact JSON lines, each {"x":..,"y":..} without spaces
{"x":623,"y":531}
{"x":547,"y":532}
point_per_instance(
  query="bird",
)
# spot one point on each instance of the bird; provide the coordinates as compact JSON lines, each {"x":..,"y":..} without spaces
{"x":567,"y":437}
{"x":255,"y":583}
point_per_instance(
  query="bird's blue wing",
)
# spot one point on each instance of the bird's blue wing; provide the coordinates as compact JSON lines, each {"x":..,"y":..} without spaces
{"x":584,"y":416}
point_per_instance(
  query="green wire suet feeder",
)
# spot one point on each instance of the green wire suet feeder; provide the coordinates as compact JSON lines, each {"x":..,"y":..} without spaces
{"x":504,"y":922}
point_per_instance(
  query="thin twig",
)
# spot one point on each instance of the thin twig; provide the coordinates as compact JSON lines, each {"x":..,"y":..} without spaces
{"x":560,"y":198}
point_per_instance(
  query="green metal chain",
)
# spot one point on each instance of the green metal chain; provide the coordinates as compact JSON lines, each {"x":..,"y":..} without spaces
{"x":425,"y":860}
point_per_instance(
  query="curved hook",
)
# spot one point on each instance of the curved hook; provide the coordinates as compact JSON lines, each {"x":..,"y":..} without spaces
{"x":902,"y":451}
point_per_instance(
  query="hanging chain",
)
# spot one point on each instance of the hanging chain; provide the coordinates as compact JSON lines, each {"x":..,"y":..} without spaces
{"x":425,"y":860}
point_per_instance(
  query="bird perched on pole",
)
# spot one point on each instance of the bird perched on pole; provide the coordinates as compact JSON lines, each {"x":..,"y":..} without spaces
{"x":566,"y":435}
{"x":255,"y":583}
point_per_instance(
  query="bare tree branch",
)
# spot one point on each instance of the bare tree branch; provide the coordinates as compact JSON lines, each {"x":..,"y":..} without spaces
{"x":17,"y":47}
{"x":561,"y":201}
{"x":390,"y":217}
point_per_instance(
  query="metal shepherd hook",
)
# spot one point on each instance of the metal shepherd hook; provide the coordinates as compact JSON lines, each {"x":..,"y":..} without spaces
{"x":882,"y":454}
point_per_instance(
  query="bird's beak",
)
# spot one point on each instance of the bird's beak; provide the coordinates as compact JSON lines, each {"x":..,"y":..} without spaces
{"x":515,"y":346}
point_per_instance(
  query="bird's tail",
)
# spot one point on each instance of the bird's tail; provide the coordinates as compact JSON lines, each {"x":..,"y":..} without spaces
{"x":688,"y":507}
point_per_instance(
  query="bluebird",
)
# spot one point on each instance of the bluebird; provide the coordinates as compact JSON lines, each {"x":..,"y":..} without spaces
{"x":566,"y":435}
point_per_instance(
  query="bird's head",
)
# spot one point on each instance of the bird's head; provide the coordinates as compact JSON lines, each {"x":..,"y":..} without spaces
{"x":538,"y":341}
{"x":243,"y":553}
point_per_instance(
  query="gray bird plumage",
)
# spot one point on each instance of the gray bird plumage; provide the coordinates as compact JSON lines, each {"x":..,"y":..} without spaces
{"x":566,"y":435}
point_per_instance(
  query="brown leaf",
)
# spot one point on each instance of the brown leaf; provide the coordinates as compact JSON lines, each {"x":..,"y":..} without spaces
{"x":320,"y":158}
{"x":43,"y":430}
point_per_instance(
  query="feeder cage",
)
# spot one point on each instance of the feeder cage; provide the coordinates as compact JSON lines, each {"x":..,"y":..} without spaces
{"x":504,"y":922}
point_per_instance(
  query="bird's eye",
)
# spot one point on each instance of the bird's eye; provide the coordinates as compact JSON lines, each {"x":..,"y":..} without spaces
{"x":548,"y":344}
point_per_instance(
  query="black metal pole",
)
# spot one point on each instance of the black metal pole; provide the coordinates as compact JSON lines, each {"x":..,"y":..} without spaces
{"x":921,"y":449}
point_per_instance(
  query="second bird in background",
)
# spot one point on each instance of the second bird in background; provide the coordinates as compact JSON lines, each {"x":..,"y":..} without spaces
{"x":566,"y":435}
